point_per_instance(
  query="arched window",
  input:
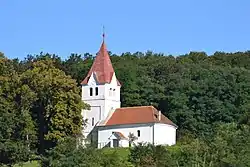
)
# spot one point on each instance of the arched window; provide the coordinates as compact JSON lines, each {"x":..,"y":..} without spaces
{"x":91,"y":91}
{"x":93,"y":121}
{"x":138,"y":133}
{"x":96,"y":91}
{"x":113,"y":92}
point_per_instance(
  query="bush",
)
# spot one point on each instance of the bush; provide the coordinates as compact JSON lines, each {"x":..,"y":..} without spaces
{"x":113,"y":160}
{"x":148,"y":155}
{"x":68,"y":154}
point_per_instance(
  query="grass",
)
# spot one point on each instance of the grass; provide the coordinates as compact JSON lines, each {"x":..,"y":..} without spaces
{"x":122,"y":152}
{"x":29,"y":164}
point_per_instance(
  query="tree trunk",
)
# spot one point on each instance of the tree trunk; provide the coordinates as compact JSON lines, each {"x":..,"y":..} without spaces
{"x":41,"y":126}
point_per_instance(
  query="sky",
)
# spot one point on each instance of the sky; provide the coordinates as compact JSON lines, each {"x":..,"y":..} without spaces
{"x":171,"y":27}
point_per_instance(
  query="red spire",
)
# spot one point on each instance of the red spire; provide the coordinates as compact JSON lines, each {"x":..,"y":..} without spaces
{"x":102,"y":67}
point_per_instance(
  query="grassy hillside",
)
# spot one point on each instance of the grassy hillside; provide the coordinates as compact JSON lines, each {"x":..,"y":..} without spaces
{"x":29,"y":164}
{"x":121,"y":152}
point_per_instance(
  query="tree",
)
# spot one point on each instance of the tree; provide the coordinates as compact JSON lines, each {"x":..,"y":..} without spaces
{"x":58,"y":105}
{"x":201,"y":96}
{"x":67,"y":154}
{"x":231,"y":145}
{"x":132,"y":138}
{"x":77,"y":67}
{"x":17,"y":130}
{"x":148,"y":155}
{"x":114,"y":160}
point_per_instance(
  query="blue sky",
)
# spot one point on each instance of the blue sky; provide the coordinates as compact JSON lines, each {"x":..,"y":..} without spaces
{"x":171,"y":27}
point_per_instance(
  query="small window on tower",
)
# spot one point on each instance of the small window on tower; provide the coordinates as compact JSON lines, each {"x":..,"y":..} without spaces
{"x":96,"y":91}
{"x":91,"y":91}
{"x":93,"y":121}
{"x":114,"y":92}
{"x":110,"y":92}
{"x":138,"y":133}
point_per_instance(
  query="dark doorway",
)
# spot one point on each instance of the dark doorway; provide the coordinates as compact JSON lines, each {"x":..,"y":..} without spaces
{"x":115,"y":143}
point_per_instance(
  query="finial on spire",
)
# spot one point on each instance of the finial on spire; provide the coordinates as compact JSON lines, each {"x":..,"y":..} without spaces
{"x":103,"y":33}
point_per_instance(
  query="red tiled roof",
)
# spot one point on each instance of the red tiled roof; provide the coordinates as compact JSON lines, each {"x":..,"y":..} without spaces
{"x":120,"y":135}
{"x":135,"y":115}
{"x":102,"y":67}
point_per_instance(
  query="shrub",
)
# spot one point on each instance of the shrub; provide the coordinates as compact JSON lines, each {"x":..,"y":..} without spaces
{"x":148,"y":155}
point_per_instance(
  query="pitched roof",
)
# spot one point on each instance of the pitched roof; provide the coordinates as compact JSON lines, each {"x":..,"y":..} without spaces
{"x":102,"y":67}
{"x":119,"y":136}
{"x":136,"y":115}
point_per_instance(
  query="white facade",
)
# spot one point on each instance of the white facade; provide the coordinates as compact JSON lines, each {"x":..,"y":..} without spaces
{"x":103,"y":100}
{"x":164,"y":134}
{"x":154,"y":133}
{"x":113,"y":142}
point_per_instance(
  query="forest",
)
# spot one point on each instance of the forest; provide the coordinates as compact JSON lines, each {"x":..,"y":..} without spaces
{"x":207,"y":96}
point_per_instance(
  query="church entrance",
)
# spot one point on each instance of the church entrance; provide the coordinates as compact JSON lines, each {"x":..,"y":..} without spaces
{"x":115,"y":143}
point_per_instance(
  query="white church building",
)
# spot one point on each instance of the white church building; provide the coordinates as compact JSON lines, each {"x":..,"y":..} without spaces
{"x":109,"y":125}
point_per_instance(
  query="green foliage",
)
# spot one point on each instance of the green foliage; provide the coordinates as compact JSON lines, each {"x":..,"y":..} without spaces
{"x":121,"y":152}
{"x":38,"y":107}
{"x":66,"y":153}
{"x":58,"y":105}
{"x":29,"y":164}
{"x":150,"y":156}
{"x":200,"y":97}
{"x":70,"y":153}
{"x":208,"y":98}
{"x":17,"y":131}
{"x":77,"y":66}
{"x":194,"y":152}
{"x":231,"y":145}
{"x":228,"y":147}
{"x":114,"y":160}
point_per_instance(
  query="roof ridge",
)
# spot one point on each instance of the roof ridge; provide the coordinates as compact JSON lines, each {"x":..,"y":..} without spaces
{"x":137,"y":107}
{"x":137,"y":115}
{"x":103,"y":50}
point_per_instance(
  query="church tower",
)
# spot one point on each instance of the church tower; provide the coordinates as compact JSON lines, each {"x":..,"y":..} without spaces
{"x":101,"y":90}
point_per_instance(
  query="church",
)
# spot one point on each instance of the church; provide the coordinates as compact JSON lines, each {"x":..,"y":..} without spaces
{"x":109,"y":124}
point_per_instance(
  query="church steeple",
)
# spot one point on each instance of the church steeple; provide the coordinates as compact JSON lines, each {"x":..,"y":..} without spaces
{"x":101,"y":90}
{"x":102,"y":67}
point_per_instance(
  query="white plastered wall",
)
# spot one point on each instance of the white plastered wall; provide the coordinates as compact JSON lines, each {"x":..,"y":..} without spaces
{"x":146,"y":133}
{"x":154,"y":133}
{"x":164,"y":134}
{"x":101,"y":105}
